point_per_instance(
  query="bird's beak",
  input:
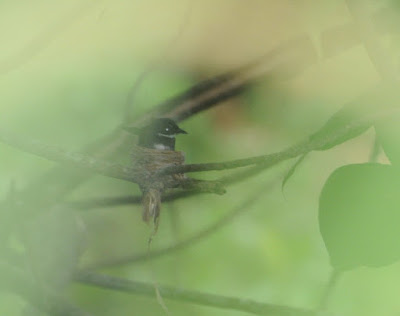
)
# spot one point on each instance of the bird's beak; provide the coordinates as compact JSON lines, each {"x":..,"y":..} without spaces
{"x":181,"y":131}
{"x":131,"y":130}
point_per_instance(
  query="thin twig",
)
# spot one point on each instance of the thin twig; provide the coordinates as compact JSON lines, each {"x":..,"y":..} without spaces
{"x":189,"y":296}
{"x":267,"y":160}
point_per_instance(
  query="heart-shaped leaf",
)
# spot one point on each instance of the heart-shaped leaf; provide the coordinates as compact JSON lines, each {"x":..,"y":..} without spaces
{"x":359,"y":216}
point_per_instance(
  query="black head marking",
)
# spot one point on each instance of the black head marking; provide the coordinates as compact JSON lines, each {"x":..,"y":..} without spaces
{"x":165,"y":127}
{"x":159,"y":134}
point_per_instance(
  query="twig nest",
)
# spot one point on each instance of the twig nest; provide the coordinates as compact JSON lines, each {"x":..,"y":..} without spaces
{"x":152,"y":188}
{"x":154,"y":159}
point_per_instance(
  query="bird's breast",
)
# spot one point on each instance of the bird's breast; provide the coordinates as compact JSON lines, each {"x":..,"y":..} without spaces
{"x":161,"y":147}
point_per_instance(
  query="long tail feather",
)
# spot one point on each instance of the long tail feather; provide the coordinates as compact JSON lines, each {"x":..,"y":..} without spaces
{"x":151,"y":206}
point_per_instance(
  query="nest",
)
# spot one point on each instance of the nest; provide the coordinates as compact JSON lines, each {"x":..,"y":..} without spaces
{"x":154,"y":159}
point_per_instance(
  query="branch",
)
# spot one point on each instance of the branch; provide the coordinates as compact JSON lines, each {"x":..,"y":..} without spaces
{"x":46,"y":190}
{"x":105,"y":202}
{"x":325,"y":138}
{"x":113,"y":170}
{"x":189,"y":296}
{"x":226,"y":219}
{"x":73,"y":159}
{"x":266,"y":160}
{"x":18,"y":282}
{"x":316,"y":142}
{"x":202,"y":186}
{"x":284,"y":61}
{"x":250,"y":172}
{"x":127,"y":200}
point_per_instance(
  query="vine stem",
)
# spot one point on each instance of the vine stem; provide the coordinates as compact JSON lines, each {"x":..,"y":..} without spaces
{"x":333,"y":279}
{"x":189,"y":296}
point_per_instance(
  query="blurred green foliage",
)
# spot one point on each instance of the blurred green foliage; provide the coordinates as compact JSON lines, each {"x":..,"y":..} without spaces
{"x":74,"y":92}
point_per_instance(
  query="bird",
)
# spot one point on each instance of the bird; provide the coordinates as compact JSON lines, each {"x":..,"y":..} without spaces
{"x":159,"y":134}
{"x":155,"y":150}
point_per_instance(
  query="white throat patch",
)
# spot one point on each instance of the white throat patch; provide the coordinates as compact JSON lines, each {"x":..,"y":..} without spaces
{"x":169,"y":136}
{"x":161,"y":147}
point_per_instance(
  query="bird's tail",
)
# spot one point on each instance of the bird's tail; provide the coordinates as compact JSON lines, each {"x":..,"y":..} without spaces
{"x":151,"y":206}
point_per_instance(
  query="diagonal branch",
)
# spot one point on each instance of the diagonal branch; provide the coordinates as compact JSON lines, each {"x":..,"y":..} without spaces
{"x":73,"y":159}
{"x":284,"y":61}
{"x":127,"y":200}
{"x":189,"y":296}
{"x":97,"y":203}
{"x":265,"y":161}
{"x":132,"y":174}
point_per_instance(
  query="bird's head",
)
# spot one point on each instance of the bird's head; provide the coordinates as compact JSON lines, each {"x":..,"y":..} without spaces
{"x":160,"y":133}
{"x":164,"y":127}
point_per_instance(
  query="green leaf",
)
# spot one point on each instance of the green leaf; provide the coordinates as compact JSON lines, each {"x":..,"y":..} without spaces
{"x":342,"y":118}
{"x":359,"y":216}
{"x":356,"y":117}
